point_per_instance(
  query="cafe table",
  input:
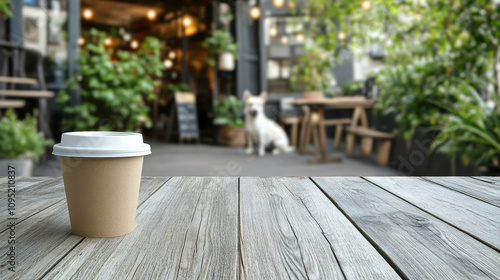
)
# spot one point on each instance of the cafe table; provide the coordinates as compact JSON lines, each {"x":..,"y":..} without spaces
{"x":265,"y":228}
{"x":358,"y":103}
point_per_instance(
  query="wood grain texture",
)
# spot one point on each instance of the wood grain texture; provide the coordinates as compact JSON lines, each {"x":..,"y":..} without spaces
{"x":490,"y":179}
{"x":17,"y":80}
{"x":188,"y":229}
{"x":481,"y":190}
{"x":473,"y":216}
{"x":12,"y":104}
{"x":32,"y":195}
{"x":45,"y":236}
{"x":289,"y":229}
{"x":27,"y":93}
{"x":418,"y":244}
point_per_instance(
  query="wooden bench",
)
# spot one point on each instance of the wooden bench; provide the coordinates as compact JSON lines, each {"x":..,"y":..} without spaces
{"x":368,"y":135}
{"x":18,"y":56}
{"x":27,"y":93}
{"x":4,"y":104}
{"x":17,"y":80}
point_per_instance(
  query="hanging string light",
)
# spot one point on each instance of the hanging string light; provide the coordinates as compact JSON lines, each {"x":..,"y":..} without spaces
{"x":108,"y":42}
{"x":366,"y":5}
{"x":284,"y":40}
{"x":134,"y":44}
{"x":186,"y":21}
{"x":273,"y":31}
{"x":278,"y":3}
{"x":291,"y":5}
{"x":151,"y":14}
{"x":342,"y":36}
{"x":171,"y":55}
{"x":300,"y":37}
{"x":81,"y":41}
{"x":87,"y":13}
{"x":255,"y":12}
{"x":168,"y":63}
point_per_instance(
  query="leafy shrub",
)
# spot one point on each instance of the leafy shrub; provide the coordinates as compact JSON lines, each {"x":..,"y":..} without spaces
{"x":113,"y":88}
{"x":20,"y":138}
{"x":471,"y":130}
{"x":228,"y":112}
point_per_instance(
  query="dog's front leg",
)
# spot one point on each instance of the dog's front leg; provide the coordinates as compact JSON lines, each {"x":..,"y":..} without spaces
{"x":250,"y":144}
{"x":262,"y":145}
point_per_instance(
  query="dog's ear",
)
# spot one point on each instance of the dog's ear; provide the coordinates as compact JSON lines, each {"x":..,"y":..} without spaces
{"x":246,"y":95}
{"x":263,"y":96}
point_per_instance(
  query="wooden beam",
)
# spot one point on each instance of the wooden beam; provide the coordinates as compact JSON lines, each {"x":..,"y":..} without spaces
{"x":12,"y":104}
{"x":15,"y":80}
{"x":27,"y":93}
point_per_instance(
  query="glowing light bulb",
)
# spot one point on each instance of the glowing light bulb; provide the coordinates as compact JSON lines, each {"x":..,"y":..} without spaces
{"x":255,"y":12}
{"x":171,"y":55}
{"x":278,"y":3}
{"x":186,"y":21}
{"x":366,"y":5}
{"x":108,"y":42}
{"x":81,"y":41}
{"x":87,"y":14}
{"x":151,"y":14}
{"x":284,"y":40}
{"x":134,"y":44}
{"x":273,"y":31}
{"x":291,"y":5}
{"x":300,"y":37}
{"x":342,"y":36}
{"x":168,"y":63}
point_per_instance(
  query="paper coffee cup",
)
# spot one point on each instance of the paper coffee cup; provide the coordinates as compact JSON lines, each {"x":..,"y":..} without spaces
{"x":102,"y":176}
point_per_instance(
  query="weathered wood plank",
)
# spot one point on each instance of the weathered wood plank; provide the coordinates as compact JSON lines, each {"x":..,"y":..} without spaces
{"x":187,"y":229}
{"x":289,"y":228}
{"x":12,"y":104}
{"x":32,"y":194}
{"x":490,"y":179}
{"x":419,"y":244}
{"x":18,"y":80}
{"x":45,"y":237}
{"x":27,"y":93}
{"x":481,"y":190}
{"x":473,"y":216}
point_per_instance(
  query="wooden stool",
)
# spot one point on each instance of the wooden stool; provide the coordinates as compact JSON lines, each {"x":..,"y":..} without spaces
{"x":293,"y":122}
{"x":339,"y":129}
{"x":368,"y":135}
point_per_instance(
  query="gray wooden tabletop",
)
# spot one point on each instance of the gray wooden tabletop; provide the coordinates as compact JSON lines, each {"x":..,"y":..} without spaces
{"x":267,"y":228}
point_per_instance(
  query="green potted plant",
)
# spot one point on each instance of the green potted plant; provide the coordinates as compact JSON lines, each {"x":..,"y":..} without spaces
{"x":228,"y":117}
{"x":222,"y":44}
{"x":20,"y":144}
{"x":471,"y":131}
{"x":114,"y":84}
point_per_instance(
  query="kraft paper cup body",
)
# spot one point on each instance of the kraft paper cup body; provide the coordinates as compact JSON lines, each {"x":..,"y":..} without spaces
{"x":101,"y":180}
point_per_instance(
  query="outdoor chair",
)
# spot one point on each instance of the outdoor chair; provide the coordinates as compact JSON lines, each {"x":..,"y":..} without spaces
{"x":20,"y":86}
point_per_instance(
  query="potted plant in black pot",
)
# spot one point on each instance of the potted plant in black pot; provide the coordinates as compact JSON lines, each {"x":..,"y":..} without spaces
{"x":228,"y":118}
{"x":20,"y":144}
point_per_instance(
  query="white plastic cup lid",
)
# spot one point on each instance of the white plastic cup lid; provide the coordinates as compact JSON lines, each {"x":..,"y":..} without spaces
{"x":101,"y":144}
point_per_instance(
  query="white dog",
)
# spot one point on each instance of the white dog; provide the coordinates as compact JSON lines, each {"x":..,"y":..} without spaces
{"x":261,"y":129}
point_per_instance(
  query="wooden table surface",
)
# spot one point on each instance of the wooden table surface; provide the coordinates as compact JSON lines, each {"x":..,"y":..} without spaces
{"x":268,"y":228}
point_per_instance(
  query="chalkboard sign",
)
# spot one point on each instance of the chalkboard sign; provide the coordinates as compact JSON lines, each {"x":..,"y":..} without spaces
{"x":187,"y":120}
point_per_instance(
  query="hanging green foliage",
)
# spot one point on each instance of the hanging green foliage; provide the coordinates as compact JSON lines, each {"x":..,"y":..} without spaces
{"x":113,"y":86}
